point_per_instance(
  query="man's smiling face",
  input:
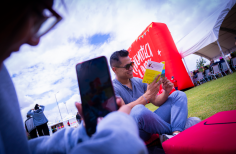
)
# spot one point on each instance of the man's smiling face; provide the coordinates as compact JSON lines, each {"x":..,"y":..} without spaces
{"x":123,"y":72}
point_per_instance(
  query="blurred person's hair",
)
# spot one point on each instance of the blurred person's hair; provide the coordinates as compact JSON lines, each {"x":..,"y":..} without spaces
{"x":14,"y":14}
{"x":36,"y":107}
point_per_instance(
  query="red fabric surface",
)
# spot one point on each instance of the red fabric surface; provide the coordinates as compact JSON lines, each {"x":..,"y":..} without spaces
{"x":215,"y":135}
{"x":155,"y":43}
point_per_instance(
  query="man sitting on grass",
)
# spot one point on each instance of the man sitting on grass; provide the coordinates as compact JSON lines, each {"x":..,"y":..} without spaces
{"x":169,"y":118}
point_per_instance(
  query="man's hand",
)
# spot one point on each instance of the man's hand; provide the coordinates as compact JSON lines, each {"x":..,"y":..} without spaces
{"x":153,"y":89}
{"x":121,"y":107}
{"x":167,"y":85}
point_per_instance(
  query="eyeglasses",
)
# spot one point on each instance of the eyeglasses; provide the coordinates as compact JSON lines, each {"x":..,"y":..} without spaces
{"x":127,"y":66}
{"x":48,"y":18}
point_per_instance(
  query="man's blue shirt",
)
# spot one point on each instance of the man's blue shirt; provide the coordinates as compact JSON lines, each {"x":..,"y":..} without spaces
{"x":127,"y":94}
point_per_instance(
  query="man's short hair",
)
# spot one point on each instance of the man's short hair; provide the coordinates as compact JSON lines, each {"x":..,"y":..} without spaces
{"x":114,"y":59}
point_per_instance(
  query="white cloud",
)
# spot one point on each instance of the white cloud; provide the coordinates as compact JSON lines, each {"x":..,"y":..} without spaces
{"x":40,"y":72}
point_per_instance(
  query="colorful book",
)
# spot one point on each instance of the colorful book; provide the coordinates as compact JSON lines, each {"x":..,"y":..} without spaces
{"x":152,"y":70}
{"x":164,"y":70}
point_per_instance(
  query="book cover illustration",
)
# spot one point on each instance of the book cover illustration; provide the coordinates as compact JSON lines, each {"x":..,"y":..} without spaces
{"x":152,"y":70}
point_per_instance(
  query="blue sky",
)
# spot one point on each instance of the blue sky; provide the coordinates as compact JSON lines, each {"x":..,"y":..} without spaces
{"x":92,"y":28}
{"x":98,"y":39}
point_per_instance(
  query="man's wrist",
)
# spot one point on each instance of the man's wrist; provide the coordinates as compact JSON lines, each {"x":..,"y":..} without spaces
{"x":147,"y":97}
{"x":167,"y":92}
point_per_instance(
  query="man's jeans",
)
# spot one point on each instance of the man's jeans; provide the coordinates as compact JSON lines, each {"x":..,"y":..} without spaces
{"x":169,"y":117}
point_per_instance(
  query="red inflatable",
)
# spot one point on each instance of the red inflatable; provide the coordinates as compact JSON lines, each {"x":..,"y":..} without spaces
{"x":156,"y":44}
{"x":215,"y":135}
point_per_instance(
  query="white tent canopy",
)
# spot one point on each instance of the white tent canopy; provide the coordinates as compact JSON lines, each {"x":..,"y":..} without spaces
{"x":217,"y":32}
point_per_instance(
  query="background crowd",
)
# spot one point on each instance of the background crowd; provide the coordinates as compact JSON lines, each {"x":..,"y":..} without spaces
{"x":214,"y":70}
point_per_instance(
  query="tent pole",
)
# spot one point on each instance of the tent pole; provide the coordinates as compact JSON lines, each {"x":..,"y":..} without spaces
{"x":188,"y":70}
{"x":224,"y":56}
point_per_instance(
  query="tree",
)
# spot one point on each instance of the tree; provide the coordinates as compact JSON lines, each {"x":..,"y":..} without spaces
{"x":200,"y":64}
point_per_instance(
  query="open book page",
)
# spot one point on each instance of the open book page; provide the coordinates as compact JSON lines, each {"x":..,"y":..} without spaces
{"x":152,"y":70}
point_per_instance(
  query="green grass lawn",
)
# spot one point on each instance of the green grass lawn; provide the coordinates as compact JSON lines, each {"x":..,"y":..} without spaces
{"x":210,"y":98}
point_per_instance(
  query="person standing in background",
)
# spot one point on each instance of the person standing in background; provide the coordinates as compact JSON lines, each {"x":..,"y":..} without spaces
{"x":220,"y":62}
{"x":68,"y":123}
{"x":232,"y":55}
{"x":40,"y":120}
{"x":211,"y":64}
{"x":174,"y":82}
{"x":30,"y":128}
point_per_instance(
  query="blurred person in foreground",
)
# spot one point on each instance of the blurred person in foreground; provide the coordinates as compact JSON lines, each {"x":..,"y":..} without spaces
{"x":24,"y":22}
{"x":40,"y":120}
